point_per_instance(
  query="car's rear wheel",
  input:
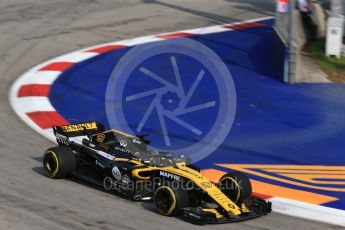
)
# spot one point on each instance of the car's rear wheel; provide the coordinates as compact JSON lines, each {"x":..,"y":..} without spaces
{"x":237,"y":186}
{"x":59,"y":162}
{"x":170,"y":198}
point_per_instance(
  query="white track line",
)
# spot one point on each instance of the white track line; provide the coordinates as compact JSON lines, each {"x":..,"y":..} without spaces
{"x":308,"y":211}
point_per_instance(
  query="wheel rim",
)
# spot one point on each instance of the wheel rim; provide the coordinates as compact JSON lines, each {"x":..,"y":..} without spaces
{"x":164,"y":200}
{"x":51,"y":163}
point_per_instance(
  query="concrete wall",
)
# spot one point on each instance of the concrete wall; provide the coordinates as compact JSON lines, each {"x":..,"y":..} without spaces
{"x":297,"y":67}
{"x":319,"y":17}
{"x":306,"y":70}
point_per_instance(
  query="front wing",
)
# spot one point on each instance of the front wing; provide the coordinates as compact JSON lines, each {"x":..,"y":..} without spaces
{"x":257,"y":208}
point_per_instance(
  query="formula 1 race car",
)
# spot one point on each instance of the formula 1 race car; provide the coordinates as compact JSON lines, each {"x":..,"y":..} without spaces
{"x":123,"y":163}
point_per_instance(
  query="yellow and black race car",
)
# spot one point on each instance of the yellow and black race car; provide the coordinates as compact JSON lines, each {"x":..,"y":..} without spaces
{"x":123,"y":163}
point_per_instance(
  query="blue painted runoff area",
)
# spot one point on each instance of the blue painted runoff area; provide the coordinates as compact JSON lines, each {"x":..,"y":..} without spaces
{"x":274,"y":122}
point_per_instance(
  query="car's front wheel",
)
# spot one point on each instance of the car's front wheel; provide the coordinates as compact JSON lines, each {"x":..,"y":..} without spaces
{"x":59,"y":162}
{"x":236,"y":185}
{"x":170,"y":198}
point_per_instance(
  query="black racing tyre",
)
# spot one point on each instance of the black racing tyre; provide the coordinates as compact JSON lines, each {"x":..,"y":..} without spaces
{"x":236,"y":185}
{"x":59,"y":162}
{"x":170,"y":198}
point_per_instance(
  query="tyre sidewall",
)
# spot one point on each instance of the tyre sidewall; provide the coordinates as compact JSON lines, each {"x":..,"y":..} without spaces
{"x":64,"y":159}
{"x":178,"y":197}
{"x":240,"y":187}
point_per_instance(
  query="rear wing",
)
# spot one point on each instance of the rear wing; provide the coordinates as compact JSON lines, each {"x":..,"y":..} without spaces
{"x":81,"y":129}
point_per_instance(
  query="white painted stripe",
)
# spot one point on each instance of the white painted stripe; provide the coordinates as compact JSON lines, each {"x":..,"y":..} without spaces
{"x":75,"y":57}
{"x":42,"y":77}
{"x":220,"y":28}
{"x":250,"y":20}
{"x":308,"y":211}
{"x":98,"y":46}
{"x":47,"y":133}
{"x":139,"y":41}
{"x":33,"y":104}
{"x":127,"y":42}
{"x":207,"y":30}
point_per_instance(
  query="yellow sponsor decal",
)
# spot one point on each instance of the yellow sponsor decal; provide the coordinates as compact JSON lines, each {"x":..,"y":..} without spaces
{"x":244,"y":208}
{"x":210,"y":189}
{"x":79,"y":127}
{"x":100,"y":137}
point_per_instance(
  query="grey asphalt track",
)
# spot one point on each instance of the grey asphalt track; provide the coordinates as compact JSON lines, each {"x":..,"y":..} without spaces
{"x":32,"y":31}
